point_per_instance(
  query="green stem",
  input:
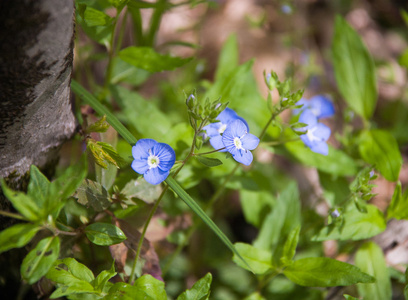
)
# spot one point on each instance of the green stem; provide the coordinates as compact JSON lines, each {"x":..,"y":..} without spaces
{"x":122,"y":31}
{"x":209,"y":152}
{"x":12,"y":215}
{"x":155,"y":22}
{"x":140,"y":243}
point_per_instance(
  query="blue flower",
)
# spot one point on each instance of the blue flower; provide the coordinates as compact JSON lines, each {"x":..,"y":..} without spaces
{"x":215,"y":130}
{"x":317,"y":133}
{"x":152,"y":159}
{"x":320,"y":106}
{"x":238,"y":141}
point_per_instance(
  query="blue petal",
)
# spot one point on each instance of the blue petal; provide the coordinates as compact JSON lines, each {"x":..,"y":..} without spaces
{"x":217,"y":143}
{"x":243,"y":157}
{"x":308,"y":118}
{"x":321,"y":148}
{"x":305,"y":140}
{"x":156,"y":176}
{"x":212,"y":129}
{"x":166,"y":155}
{"x":227,"y":115}
{"x":142,"y":147}
{"x":250,"y":141}
{"x":321,"y":106}
{"x":322,"y":131}
{"x":140,"y":165}
{"x":236,"y":128}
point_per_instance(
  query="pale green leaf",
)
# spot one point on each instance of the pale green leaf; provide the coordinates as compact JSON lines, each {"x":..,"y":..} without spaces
{"x":104,"y":234}
{"x":17,"y":236}
{"x":199,"y":291}
{"x":259,"y":260}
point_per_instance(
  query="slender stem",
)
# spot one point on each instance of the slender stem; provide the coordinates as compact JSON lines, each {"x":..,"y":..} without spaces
{"x":140,"y":243}
{"x":12,"y":215}
{"x":137,"y":26}
{"x":122,"y":31}
{"x":155,"y":22}
{"x":209,"y":152}
{"x":273,"y":116}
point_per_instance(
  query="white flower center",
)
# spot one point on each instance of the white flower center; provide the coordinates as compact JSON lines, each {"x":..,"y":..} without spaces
{"x":311,"y":136}
{"x":222,"y":128}
{"x":238,"y":143}
{"x":153,"y":161}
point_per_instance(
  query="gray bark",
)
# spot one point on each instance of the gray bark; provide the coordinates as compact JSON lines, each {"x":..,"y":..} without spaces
{"x":36,"y":53}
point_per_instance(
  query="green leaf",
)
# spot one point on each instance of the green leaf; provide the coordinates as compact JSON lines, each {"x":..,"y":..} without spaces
{"x":256,"y":205}
{"x":348,"y":297}
{"x":208,"y":161}
{"x":398,"y":208}
{"x":369,"y":258}
{"x":148,"y":59}
{"x":22,"y":203}
{"x":228,"y":59}
{"x":259,"y":260}
{"x":17,"y":236}
{"x":199,"y":291}
{"x":99,"y":126}
{"x":336,"y":162}
{"x":103,"y":278}
{"x":354,"y":69}
{"x":141,"y":189}
{"x":104,"y":234}
{"x":199,"y":212}
{"x":324,"y":272}
{"x":356,"y":225}
{"x":39,"y":260}
{"x":379,"y":147}
{"x":78,"y":287}
{"x":93,"y":17}
{"x":92,"y":194}
{"x":289,"y":249}
{"x":75,"y":269}
{"x":100,"y":34}
{"x":145,"y":288}
{"x":139,"y":113}
{"x":38,"y":187}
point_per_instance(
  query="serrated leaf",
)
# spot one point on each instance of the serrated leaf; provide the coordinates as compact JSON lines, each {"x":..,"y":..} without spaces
{"x":38,"y":187}
{"x":370,"y":258}
{"x":148,"y":59}
{"x":199,"y":291}
{"x":22,"y":203}
{"x":104,"y":234}
{"x":92,"y":194}
{"x":325,"y":272}
{"x":379,"y":147}
{"x":208,"y":161}
{"x":99,"y":126}
{"x":17,"y":236}
{"x":259,"y":260}
{"x":39,"y":260}
{"x":141,"y":189}
{"x":354,"y":69}
{"x":356,"y":225}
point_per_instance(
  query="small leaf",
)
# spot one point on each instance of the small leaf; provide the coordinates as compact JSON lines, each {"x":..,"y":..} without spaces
{"x":370,"y":258}
{"x":148,"y":59}
{"x":38,"y":187}
{"x":199,"y":291}
{"x":103,"y":278}
{"x":356,"y":226}
{"x":141,"y":189}
{"x":379,"y":147}
{"x":22,"y":203}
{"x":79,"y":287}
{"x":99,"y":126}
{"x":104,"y":234}
{"x":325,"y":272}
{"x":354,"y":69}
{"x":92,"y":194}
{"x":39,"y":260}
{"x":259,"y":260}
{"x":289,"y":249}
{"x":208,"y":161}
{"x":145,"y":288}
{"x":17,"y":236}
{"x":93,"y":17}
{"x":77,"y":269}
{"x":398,"y":207}
{"x":348,"y":297}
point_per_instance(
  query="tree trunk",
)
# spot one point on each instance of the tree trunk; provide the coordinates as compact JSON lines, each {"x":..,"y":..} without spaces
{"x":36,"y":53}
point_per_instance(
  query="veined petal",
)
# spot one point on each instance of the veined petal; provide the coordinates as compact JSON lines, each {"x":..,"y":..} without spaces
{"x":217,"y":143}
{"x":141,"y":149}
{"x":140,"y":166}
{"x":156,"y":176}
{"x":321,"y":106}
{"x":236,"y":128}
{"x":249,"y":141}
{"x":320,"y":147}
{"x":166,"y":155}
{"x":322,"y":131}
{"x":308,"y":118}
{"x":243,"y":157}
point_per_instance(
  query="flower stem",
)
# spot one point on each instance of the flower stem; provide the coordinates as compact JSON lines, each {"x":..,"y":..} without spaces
{"x":209,"y":152}
{"x":12,"y":215}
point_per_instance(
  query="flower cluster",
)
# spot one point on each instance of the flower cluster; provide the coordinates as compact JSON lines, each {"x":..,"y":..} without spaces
{"x":317,"y":133}
{"x":232,"y":134}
